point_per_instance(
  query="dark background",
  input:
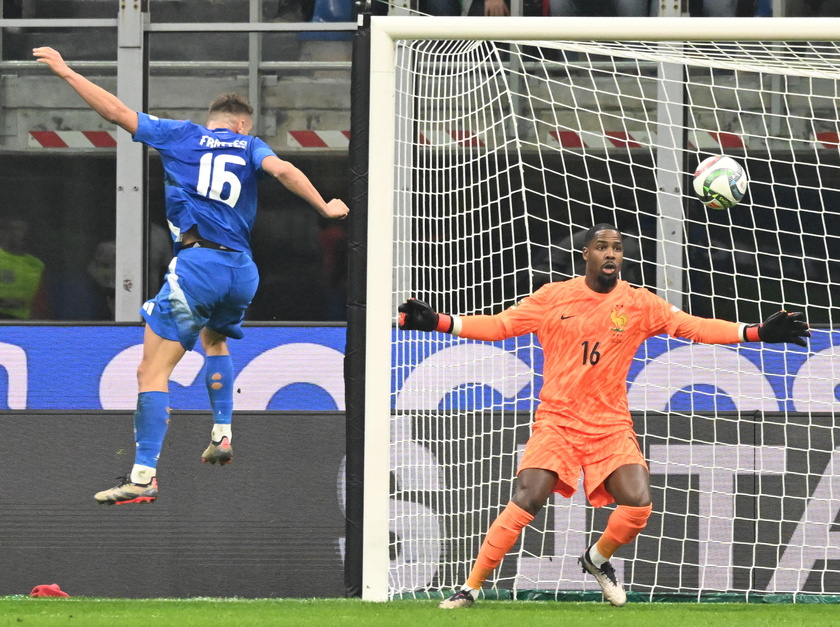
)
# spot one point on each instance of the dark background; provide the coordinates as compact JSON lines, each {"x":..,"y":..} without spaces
{"x":267,"y":525}
{"x":68,"y":203}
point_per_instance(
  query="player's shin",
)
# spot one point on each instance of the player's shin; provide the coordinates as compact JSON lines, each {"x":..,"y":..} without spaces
{"x":500,"y":539}
{"x":151,"y":421}
{"x":623,"y":525}
{"x":218,"y":376}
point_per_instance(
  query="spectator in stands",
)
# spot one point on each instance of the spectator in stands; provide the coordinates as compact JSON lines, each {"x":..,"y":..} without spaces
{"x":21,"y":275}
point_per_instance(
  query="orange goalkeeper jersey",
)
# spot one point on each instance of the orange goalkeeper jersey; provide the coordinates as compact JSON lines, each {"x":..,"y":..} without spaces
{"x":589,"y":340}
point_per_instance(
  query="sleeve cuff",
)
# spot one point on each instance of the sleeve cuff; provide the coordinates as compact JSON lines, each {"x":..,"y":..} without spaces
{"x":448,"y":324}
{"x":750,"y":333}
{"x":444,"y":324}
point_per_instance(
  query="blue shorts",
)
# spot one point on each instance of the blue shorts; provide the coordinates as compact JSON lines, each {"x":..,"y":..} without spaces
{"x":203,"y":288}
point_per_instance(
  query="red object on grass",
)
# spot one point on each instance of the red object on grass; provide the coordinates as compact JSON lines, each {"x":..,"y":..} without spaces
{"x":48,"y":590}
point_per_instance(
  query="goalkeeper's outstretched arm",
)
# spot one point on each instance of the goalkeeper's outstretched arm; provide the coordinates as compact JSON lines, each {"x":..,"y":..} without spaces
{"x":782,"y":327}
{"x":415,"y":315}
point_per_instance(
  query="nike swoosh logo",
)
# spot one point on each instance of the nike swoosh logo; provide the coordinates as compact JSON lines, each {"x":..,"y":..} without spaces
{"x":563,"y":317}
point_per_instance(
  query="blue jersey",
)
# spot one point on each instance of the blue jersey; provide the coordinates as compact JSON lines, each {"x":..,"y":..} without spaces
{"x":210,"y":177}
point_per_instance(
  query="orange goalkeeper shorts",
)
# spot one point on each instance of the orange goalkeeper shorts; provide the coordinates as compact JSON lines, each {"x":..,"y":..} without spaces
{"x":566,"y":452}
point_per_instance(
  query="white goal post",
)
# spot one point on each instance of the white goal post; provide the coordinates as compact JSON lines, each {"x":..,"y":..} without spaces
{"x":493,"y":143}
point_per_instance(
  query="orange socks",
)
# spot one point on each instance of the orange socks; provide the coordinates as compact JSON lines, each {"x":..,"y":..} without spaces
{"x":623,"y":525}
{"x":500,"y":539}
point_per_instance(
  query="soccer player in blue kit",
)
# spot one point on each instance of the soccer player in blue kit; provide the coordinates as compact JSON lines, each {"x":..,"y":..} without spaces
{"x":211,"y":202}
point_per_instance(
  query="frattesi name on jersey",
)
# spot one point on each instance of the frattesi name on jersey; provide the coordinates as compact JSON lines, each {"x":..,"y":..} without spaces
{"x":212,"y":142}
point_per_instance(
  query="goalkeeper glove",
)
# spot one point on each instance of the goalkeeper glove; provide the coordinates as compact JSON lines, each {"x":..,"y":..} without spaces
{"x":415,"y":315}
{"x":782,"y":326}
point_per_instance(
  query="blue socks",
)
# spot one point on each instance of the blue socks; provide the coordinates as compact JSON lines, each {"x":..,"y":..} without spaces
{"x":218,"y":376}
{"x":151,"y":421}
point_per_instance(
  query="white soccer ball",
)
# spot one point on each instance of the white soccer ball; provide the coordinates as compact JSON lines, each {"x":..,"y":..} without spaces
{"x":720,"y":182}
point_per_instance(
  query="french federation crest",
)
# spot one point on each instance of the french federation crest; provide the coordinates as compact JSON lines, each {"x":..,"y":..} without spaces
{"x":619,"y":320}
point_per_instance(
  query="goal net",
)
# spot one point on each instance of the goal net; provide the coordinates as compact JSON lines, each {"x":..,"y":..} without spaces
{"x":493,"y":148}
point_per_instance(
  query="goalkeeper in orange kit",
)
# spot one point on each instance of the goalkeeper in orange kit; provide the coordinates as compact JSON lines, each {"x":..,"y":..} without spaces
{"x":590,"y":328}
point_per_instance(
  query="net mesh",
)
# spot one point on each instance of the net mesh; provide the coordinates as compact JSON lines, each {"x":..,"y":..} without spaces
{"x":506,"y":152}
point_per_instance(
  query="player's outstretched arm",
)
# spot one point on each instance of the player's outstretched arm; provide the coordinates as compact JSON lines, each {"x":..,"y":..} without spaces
{"x":103,"y":102}
{"x":298,"y":183}
{"x":782,"y":326}
{"x":415,"y":315}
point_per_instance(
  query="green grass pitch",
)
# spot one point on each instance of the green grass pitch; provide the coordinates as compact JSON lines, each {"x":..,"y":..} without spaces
{"x":90,"y":612}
